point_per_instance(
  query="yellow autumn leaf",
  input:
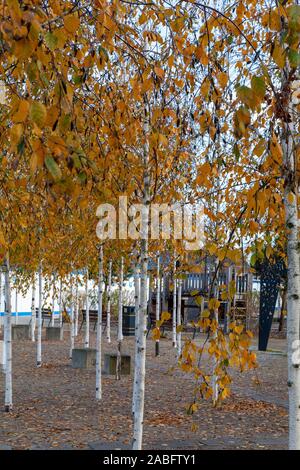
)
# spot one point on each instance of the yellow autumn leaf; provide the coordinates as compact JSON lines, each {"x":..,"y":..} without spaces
{"x":159,"y":72}
{"x":2,"y":239}
{"x":71,"y":23}
{"x":165,"y":316}
{"x":22,"y":112}
{"x":278,"y":55}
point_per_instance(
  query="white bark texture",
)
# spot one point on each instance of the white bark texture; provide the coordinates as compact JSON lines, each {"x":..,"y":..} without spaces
{"x":136,"y":310}
{"x":87,"y":314}
{"x":53,"y":300}
{"x":290,"y":140}
{"x":60,"y":305}
{"x":142,"y":327}
{"x":76,"y":310}
{"x":99,"y":328}
{"x":174,"y":323}
{"x":120,"y":321}
{"x":7,"y":340}
{"x":108,"y":305}
{"x":33,"y":312}
{"x":39,"y":329}
{"x":158,"y":297}
{"x":16,"y":308}
{"x":179,"y":342}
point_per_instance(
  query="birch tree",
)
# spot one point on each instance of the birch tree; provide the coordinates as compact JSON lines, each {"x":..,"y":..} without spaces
{"x":87,"y":312}
{"x":290,"y":143}
{"x":120,"y":321}
{"x":179,"y":327}
{"x":76,"y":309}
{"x":136,"y":331}
{"x":53,"y":299}
{"x":33,"y":311}
{"x":40,"y":320}
{"x":99,"y":327}
{"x":158,"y":298}
{"x":142,"y":324}
{"x":108,"y":305}
{"x":174,"y":311}
{"x":7,"y":339}
{"x":72,"y":323}
{"x":16,"y":307}
{"x":60,"y":304}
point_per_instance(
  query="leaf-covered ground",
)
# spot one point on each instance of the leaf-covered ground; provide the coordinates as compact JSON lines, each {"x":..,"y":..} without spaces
{"x":54,"y":406}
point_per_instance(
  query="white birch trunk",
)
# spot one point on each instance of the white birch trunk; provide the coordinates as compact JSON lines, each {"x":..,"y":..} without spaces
{"x":76,"y":310}
{"x":39,"y":330}
{"x":72,"y":323}
{"x":7,"y":340}
{"x":87,"y":314}
{"x":290,"y":140}
{"x":4,"y":322}
{"x":142,"y":325}
{"x":16,"y":308}
{"x":136,"y":310}
{"x":60,"y":305}
{"x":99,"y":329}
{"x":1,"y":293}
{"x":108,"y":307}
{"x":53,"y":301}
{"x":120,"y":321}
{"x":33,"y":312}
{"x":179,"y":342}
{"x":215,"y":386}
{"x":174,"y":323}
{"x":158,"y":297}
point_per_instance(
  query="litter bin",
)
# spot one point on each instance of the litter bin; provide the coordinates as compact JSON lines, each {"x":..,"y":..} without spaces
{"x":128,"y":324}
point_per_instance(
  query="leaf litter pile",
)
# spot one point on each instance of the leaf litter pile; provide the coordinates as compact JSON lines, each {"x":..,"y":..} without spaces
{"x":54,"y":406}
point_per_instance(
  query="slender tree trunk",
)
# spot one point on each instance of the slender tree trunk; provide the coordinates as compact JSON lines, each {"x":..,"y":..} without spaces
{"x":174,"y":323}
{"x":158,"y":297}
{"x":3,"y":359}
{"x":136,"y":310}
{"x":72,"y":323}
{"x":1,"y":293}
{"x":215,"y":386}
{"x":142,"y":327}
{"x":33,"y":312}
{"x":60,"y":305}
{"x":76,"y":310}
{"x":283,"y":307}
{"x":120,"y":321}
{"x":4,"y":325}
{"x":290,"y":140}
{"x":108,"y":307}
{"x":39,"y":331}
{"x":7,"y":339}
{"x":179,"y":343}
{"x":99,"y":328}
{"x":16,"y":307}
{"x":53,"y":300}
{"x":87,"y":314}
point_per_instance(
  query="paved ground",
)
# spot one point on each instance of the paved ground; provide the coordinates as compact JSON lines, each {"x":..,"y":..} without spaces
{"x":55,"y":408}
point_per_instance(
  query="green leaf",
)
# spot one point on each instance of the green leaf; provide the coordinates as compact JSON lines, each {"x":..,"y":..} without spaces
{"x":38,"y":113}
{"x":246,"y":95}
{"x":258,"y":86}
{"x":51,"y":41}
{"x":53,"y":167}
{"x":294,"y":58}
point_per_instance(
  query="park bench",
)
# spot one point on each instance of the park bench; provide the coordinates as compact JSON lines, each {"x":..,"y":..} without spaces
{"x":46,"y":315}
{"x":93,"y":316}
